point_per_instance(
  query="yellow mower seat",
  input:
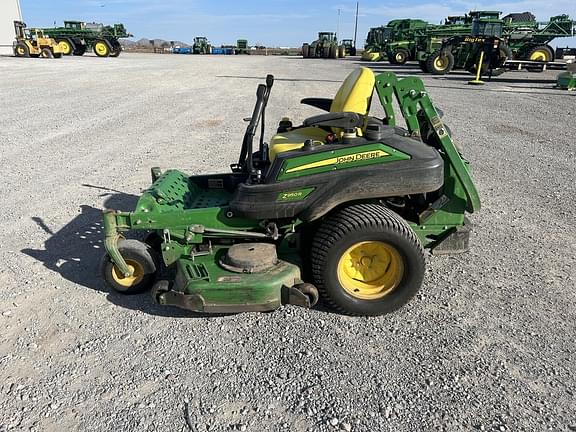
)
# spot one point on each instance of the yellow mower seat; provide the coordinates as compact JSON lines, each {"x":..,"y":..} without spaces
{"x":354,"y":95}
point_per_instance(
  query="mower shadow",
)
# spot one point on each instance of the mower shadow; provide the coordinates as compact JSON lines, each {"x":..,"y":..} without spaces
{"x":75,"y":252}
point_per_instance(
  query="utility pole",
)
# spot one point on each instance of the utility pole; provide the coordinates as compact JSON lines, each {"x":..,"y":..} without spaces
{"x":356,"y":25}
{"x":338,"y":26}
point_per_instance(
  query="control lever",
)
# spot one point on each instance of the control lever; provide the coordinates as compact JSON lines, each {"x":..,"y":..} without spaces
{"x":269,"y":84}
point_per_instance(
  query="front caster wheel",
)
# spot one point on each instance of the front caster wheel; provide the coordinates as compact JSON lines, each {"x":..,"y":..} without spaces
{"x":366,"y":260}
{"x":141,"y":260}
{"x":309,"y":291}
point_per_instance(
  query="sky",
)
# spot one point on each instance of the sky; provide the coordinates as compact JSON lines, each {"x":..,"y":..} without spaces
{"x":271,"y":23}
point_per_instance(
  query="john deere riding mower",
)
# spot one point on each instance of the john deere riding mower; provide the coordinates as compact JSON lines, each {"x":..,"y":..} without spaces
{"x":343,"y":205}
{"x":33,"y":43}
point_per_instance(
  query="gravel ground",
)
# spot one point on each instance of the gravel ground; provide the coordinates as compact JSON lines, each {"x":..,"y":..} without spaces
{"x":487,"y":345}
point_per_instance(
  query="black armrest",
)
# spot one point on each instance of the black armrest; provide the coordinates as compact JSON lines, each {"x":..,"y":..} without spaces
{"x":342,"y":120}
{"x":322,"y":103}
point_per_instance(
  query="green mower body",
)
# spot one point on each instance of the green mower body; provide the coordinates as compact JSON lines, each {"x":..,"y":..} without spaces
{"x":566,"y":81}
{"x":348,"y":215}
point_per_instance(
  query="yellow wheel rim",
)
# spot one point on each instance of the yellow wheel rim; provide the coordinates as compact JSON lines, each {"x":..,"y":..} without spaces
{"x":128,"y":281}
{"x":20,"y":50}
{"x":101,"y":48}
{"x":399,"y":57}
{"x":64,"y":47}
{"x":441,"y":63}
{"x":370,"y":270}
{"x":539,"y":55}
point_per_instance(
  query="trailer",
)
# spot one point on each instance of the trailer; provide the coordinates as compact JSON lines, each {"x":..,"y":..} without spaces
{"x":182,"y":50}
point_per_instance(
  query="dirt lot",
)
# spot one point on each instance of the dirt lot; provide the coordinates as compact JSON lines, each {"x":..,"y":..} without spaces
{"x":489,"y":344}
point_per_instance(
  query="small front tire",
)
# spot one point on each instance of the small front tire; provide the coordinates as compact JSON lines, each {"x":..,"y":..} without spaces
{"x":21,"y":50}
{"x":141,"y":259}
{"x":439,"y":63}
{"x":66,"y":46}
{"x":400,"y":56}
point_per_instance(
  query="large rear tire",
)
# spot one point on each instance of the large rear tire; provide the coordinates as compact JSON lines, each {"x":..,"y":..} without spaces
{"x":80,"y":48}
{"x":46,"y":53}
{"x":333,"y":52}
{"x":439,"y":63}
{"x":141,"y":259}
{"x":541,"y":53}
{"x":102,"y":48}
{"x":366,"y":260}
{"x":305,"y":51}
{"x":504,"y":53}
{"x":116,"y":49}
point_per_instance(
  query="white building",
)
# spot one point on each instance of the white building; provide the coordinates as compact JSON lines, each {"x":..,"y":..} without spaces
{"x":9,"y":12}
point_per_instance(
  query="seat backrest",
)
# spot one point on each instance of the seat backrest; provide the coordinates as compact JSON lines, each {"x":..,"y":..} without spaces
{"x":355,"y":93}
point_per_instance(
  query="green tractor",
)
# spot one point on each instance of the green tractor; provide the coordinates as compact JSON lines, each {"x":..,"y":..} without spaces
{"x":465,"y":51}
{"x":241,"y":47}
{"x":326,"y":46}
{"x":76,"y":37}
{"x":343,"y":206}
{"x":429,"y":45}
{"x":375,"y":42}
{"x":401,"y":44}
{"x":530,"y":40}
{"x":349,"y":47}
{"x":201,"y":46}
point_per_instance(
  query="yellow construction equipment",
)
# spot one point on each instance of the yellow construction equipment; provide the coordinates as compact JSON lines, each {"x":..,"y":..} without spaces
{"x":33,"y":43}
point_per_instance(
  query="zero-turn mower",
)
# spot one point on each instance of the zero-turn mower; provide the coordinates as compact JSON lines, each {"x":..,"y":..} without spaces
{"x":343,"y":205}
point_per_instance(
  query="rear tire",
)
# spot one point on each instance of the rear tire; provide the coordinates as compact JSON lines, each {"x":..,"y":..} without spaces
{"x":541,"y":53}
{"x":102,"y":48}
{"x":21,"y":50}
{"x":333,"y":52}
{"x":46,"y":53}
{"x":366,"y":260}
{"x":144,"y":263}
{"x":306,"y":51}
{"x":341,"y":52}
{"x":80,"y":48}
{"x":440,"y":64}
{"x":116,"y":49}
{"x":504,"y":53}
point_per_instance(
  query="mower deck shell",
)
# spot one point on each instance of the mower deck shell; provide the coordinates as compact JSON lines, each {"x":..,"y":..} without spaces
{"x":202,"y":285}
